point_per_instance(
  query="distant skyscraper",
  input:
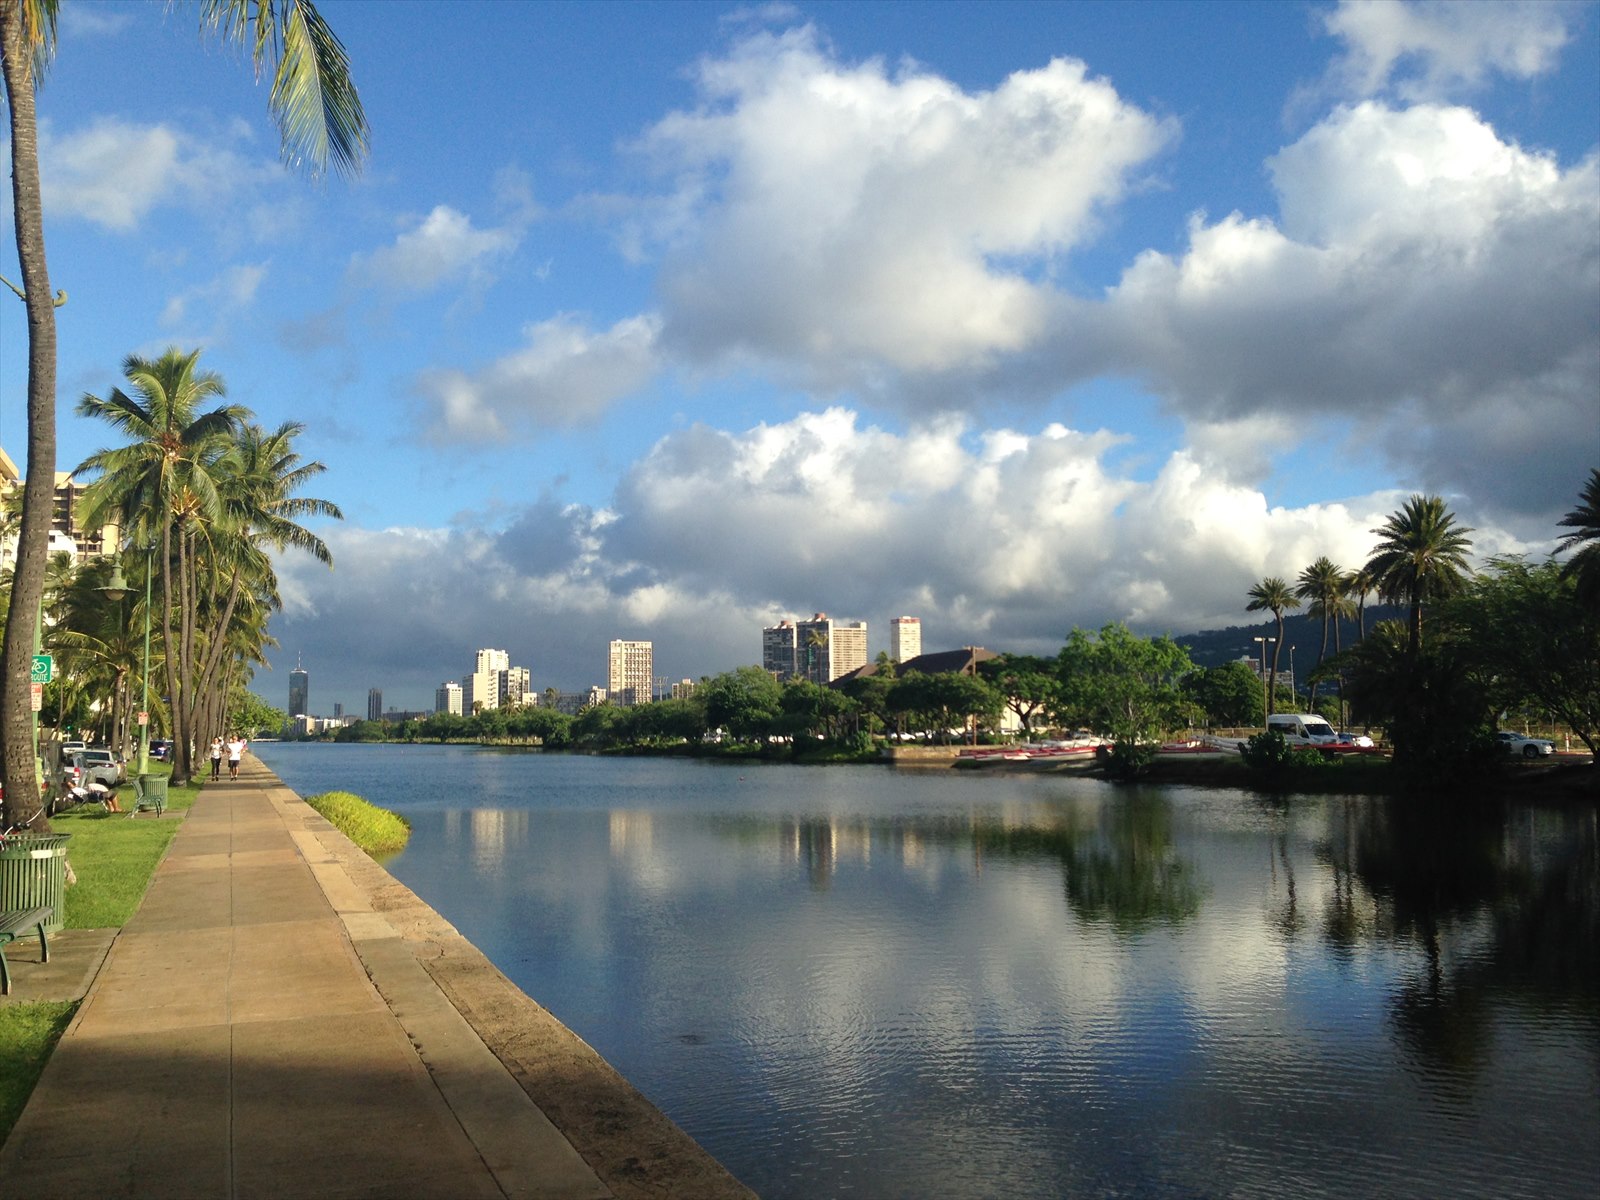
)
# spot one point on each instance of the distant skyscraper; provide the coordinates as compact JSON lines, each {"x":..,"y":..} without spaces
{"x":777,"y":650}
{"x":299,"y":692}
{"x":448,"y":698}
{"x":374,"y":704}
{"x":905,"y":638}
{"x":632,"y":672}
{"x":516,"y":688}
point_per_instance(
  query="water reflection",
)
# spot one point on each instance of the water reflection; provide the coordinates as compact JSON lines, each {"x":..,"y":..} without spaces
{"x":854,"y":983}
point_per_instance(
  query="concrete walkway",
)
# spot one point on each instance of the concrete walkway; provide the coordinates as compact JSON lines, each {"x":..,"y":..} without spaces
{"x":261,"y":1028}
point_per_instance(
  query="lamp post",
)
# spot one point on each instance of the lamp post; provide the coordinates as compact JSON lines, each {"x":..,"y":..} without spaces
{"x":116,"y":588}
{"x":1294,"y":680}
{"x":1266,"y":699}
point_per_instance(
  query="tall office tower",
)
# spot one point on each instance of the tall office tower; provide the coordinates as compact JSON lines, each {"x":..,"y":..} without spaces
{"x":905,"y":638}
{"x":374,"y":704}
{"x":516,"y":688}
{"x":447,"y":699}
{"x":777,"y":650}
{"x":825,"y":649}
{"x":299,"y":692}
{"x":632,"y":672}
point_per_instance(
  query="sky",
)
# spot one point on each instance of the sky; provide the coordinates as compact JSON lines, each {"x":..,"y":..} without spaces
{"x":668,"y":321}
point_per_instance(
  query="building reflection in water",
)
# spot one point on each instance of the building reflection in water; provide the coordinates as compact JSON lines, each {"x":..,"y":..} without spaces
{"x":488,"y":833}
{"x":630,"y":830}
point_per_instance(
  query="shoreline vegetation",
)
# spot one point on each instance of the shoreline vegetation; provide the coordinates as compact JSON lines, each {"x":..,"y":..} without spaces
{"x":378,"y":831}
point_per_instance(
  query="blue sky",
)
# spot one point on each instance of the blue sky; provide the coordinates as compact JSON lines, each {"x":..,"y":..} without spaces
{"x":666,"y":321}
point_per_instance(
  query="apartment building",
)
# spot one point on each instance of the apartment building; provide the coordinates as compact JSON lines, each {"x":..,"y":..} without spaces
{"x":632,"y":672}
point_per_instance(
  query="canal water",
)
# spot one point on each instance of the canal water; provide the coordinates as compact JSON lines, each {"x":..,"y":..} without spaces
{"x":861,"y":982}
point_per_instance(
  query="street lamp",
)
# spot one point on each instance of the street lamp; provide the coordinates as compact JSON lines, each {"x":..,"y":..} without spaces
{"x":1266,"y":697}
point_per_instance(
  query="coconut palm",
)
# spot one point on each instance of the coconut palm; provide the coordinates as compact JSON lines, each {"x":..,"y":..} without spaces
{"x":1585,"y":518}
{"x":165,"y":482}
{"x":320,"y":120}
{"x":1322,"y":585}
{"x":1359,"y":585}
{"x":1421,"y":557}
{"x":1273,"y":595}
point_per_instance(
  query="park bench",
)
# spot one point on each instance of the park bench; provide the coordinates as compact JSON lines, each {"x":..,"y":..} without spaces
{"x":12,"y":926}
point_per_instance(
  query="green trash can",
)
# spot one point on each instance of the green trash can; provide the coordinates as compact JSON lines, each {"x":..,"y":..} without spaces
{"x":153,"y":793}
{"x":33,"y":871}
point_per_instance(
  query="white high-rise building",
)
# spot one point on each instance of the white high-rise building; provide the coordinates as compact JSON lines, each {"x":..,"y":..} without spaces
{"x":632,"y":672}
{"x":516,"y":688}
{"x":905,"y":638}
{"x":481,"y":689}
{"x":447,"y":699}
{"x":826,"y":649}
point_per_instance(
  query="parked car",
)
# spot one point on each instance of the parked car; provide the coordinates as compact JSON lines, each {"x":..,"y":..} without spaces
{"x":160,"y":748}
{"x":1348,"y":738}
{"x":1528,"y":747}
{"x":92,"y":766}
{"x":1303,"y":729}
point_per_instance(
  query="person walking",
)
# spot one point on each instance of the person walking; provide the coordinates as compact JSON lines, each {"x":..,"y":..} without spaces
{"x":236,"y":747}
{"x":216,"y":757}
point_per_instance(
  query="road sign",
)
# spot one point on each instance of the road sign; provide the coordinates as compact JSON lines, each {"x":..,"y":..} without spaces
{"x":38,"y":696}
{"x":44,"y":669}
{"x":144,"y":718}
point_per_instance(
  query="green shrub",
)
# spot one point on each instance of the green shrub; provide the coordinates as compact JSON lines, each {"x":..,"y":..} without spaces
{"x":376,"y":830}
{"x":1270,"y":750}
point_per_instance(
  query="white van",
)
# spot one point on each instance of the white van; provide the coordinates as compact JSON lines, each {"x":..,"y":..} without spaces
{"x":1303,"y":729}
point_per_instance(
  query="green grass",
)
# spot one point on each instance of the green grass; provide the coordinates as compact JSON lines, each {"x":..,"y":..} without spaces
{"x":113,"y":858}
{"x":28,"y":1032}
{"x":376,"y":830}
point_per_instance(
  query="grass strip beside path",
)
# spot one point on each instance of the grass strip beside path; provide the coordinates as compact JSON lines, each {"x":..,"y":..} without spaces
{"x":376,"y":830}
{"x":28,"y":1032}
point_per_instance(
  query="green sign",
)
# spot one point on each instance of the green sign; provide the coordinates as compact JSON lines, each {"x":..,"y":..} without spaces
{"x":44,"y":669}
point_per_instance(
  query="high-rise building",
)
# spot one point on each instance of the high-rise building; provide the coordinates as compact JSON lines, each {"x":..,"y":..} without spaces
{"x":447,"y":699}
{"x":905,"y":638}
{"x":481,"y":689}
{"x":374,"y":704}
{"x":632,"y":672}
{"x":778,"y":650}
{"x":516,"y":688}
{"x":299,"y":692}
{"x":65,"y":532}
{"x":826,"y":649}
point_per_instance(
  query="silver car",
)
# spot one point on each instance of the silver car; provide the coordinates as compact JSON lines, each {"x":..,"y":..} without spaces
{"x":95,"y":766}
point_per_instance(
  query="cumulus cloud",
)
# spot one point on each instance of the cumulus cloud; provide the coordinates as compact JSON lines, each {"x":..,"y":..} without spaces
{"x":1001,"y":537}
{"x":442,"y":248}
{"x":566,"y":374}
{"x":218,"y":299}
{"x":113,"y":173}
{"x":1426,"y":279}
{"x":1436,"y":48}
{"x":840,"y":218}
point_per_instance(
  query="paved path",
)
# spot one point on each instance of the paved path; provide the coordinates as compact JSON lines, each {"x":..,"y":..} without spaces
{"x":258,"y":1030}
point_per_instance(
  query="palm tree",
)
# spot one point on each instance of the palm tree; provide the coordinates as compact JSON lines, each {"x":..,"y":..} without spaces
{"x":1421,"y":557}
{"x":1585,"y":518}
{"x":320,"y":120}
{"x":164,"y":480}
{"x":1274,"y":595}
{"x":1323,"y":585}
{"x":1359,"y":583}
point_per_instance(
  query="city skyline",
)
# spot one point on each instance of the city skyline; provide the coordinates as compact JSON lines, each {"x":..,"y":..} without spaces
{"x":1015,"y":316}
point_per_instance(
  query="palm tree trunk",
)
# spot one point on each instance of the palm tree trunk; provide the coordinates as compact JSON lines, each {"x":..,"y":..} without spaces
{"x":1277,"y":649}
{"x":180,"y":735}
{"x":22,"y":800}
{"x":1321,"y":654}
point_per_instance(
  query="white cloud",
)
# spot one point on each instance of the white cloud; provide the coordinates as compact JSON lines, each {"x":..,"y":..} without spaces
{"x":217,"y":300}
{"x":1426,"y":276}
{"x":113,"y":173}
{"x":1431,"y":50}
{"x":566,"y":374}
{"x":442,"y":248}
{"x":840,"y":217}
{"x":1004,"y":537}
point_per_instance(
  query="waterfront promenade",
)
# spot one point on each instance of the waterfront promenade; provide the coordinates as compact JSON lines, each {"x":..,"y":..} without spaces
{"x":283,"y":1017}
